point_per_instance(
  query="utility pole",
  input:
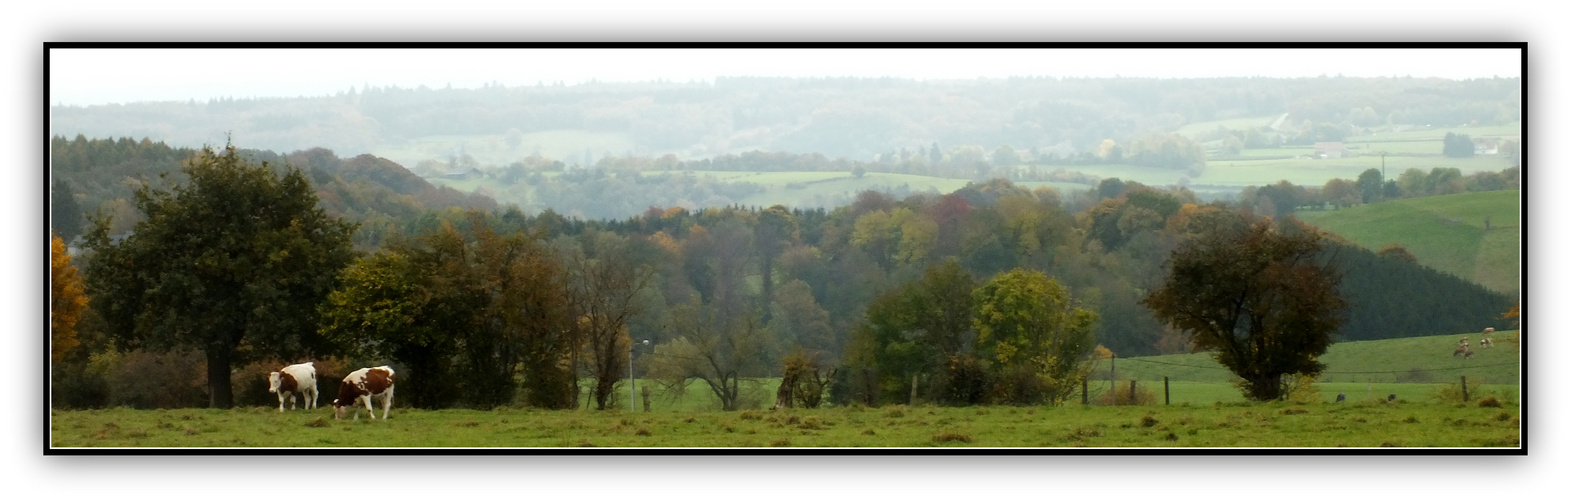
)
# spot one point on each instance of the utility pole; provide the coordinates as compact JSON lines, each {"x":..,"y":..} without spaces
{"x":632,"y":383}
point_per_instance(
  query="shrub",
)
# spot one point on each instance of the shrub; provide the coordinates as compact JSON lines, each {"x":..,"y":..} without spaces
{"x":146,"y":380}
{"x":1452,"y":393}
{"x":1489,"y":402}
{"x":1120,"y":396}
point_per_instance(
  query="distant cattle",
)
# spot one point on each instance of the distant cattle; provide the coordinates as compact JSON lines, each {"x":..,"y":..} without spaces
{"x":293,"y":380}
{"x":1461,"y":350}
{"x":364,"y":385}
{"x":1485,"y":341}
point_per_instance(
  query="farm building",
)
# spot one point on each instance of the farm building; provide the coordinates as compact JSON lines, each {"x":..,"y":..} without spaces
{"x":1486,"y":146}
{"x":1332,"y":150}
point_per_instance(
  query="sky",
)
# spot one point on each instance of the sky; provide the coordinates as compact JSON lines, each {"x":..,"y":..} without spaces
{"x":83,"y":77}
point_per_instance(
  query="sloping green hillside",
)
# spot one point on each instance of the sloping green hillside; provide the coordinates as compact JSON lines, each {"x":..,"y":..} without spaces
{"x":1445,"y":232}
{"x":1413,"y":359}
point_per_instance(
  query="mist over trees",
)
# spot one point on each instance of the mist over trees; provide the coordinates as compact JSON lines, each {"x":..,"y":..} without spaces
{"x":843,"y":118}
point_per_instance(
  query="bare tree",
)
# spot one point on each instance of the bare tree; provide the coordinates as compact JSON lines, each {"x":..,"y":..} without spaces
{"x":715,"y":346}
{"x":604,"y":288}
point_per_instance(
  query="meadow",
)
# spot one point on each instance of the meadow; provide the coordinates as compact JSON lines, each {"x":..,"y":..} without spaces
{"x":1369,"y":423}
{"x":1205,"y":410}
{"x":1444,"y":232}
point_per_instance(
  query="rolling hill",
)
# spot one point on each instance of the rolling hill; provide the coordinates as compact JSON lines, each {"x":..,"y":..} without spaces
{"x":1447,"y":233}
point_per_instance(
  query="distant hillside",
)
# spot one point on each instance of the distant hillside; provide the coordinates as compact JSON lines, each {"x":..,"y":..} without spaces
{"x":1446,"y":233}
{"x":1413,"y":359}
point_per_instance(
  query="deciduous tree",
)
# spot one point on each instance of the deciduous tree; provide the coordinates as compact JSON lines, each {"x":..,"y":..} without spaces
{"x":232,"y":263}
{"x":1036,"y":336}
{"x":67,"y":301}
{"x":1262,"y":297}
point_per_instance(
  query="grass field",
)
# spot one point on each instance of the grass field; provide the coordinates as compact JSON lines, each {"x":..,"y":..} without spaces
{"x":1425,"y":359}
{"x":1444,"y":232}
{"x":1371,"y":423}
{"x":1206,"y":410}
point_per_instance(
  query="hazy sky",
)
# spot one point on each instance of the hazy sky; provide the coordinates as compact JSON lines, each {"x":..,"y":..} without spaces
{"x":100,"y":76}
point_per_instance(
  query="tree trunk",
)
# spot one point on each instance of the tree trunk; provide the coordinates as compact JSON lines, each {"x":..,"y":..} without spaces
{"x":1265,"y":387}
{"x":220,"y":393}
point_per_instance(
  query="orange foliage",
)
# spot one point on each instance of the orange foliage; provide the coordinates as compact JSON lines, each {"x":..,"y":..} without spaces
{"x":67,"y":300}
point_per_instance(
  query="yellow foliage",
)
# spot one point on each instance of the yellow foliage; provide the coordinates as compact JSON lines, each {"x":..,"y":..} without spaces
{"x":1101,"y":352}
{"x":67,"y":300}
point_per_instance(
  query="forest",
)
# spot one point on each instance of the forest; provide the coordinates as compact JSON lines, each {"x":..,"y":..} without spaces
{"x":722,"y":294}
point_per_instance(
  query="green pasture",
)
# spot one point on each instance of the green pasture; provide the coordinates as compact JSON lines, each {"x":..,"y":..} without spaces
{"x":1443,"y":232}
{"x":1356,"y":423}
{"x":1420,"y":360}
{"x":1511,"y":130}
{"x":1205,"y":410}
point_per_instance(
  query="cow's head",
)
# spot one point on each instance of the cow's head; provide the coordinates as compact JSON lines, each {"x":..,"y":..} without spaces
{"x":338,"y":409}
{"x":273,"y":379}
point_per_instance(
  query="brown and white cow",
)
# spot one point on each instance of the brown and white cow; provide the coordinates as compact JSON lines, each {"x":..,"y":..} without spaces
{"x":293,"y":380}
{"x":1486,"y":341}
{"x":363,"y":385}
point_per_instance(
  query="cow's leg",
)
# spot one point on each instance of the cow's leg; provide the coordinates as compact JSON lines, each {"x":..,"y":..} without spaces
{"x":368,"y":409}
{"x":387,"y":403}
{"x":280,"y":402}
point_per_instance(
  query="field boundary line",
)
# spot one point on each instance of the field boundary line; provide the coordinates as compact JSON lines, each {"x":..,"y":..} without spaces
{"x":1325,"y":373}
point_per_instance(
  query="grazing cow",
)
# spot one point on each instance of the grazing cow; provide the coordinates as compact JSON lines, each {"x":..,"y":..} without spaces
{"x":1468,"y":354}
{"x":364,"y":385}
{"x":1461,"y":349}
{"x":294,"y":380}
{"x":1485,"y":341}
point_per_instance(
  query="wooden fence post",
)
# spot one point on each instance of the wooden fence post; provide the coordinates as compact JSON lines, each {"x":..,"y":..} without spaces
{"x":1167,"y":396}
{"x":1464,"y":388}
{"x":1112,"y":378}
{"x":1132,"y":398}
{"x":1084,"y":394}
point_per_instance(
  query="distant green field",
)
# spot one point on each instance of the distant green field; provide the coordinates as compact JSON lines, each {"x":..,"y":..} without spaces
{"x":1439,"y":133}
{"x":1445,"y":232}
{"x":1403,"y":361}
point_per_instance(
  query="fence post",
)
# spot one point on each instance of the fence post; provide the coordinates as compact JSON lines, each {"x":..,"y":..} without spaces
{"x":1112,"y":378}
{"x":1134,"y":400}
{"x":1167,"y":396}
{"x":1084,"y":398}
{"x":1464,"y":388}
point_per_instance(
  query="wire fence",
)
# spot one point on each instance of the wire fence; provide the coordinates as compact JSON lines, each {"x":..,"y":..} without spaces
{"x":1325,"y":372}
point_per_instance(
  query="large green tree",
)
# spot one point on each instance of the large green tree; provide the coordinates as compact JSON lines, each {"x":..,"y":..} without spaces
{"x":232,"y":263}
{"x":921,"y":330}
{"x":1262,"y":297}
{"x":1037,"y":338}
